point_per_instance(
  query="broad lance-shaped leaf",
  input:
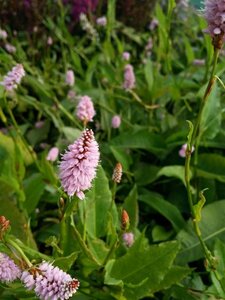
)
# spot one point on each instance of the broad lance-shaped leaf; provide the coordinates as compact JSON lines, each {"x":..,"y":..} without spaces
{"x":96,"y":206}
{"x":212,"y":226}
{"x":165,"y":208}
{"x":211,"y":166}
{"x":131,"y":206}
{"x":142,"y":268}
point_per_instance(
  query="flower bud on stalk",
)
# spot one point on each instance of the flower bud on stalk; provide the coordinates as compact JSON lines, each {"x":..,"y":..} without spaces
{"x":125,"y":220}
{"x":4,"y":226}
{"x":117,"y":173}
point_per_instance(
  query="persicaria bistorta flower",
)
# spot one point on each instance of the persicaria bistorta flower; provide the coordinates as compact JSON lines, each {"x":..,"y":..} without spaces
{"x":126,"y":55}
{"x":13,"y":78}
{"x":70,"y":78}
{"x":49,"y":282}
{"x":129,"y":77}
{"x":85,"y":109}
{"x":102,"y":21}
{"x":8,"y":269}
{"x":128,"y":239}
{"x":10,"y":48}
{"x":116,"y":121}
{"x":3,"y":34}
{"x":53,"y":154}
{"x":78,"y":166}
{"x":215,"y":16}
{"x":182,"y":151}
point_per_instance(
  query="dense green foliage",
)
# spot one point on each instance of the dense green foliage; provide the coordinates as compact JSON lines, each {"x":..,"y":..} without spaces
{"x":166,"y":260}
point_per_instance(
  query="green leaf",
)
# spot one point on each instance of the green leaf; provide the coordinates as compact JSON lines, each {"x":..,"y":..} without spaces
{"x":142,"y":269}
{"x":122,"y":157}
{"x":149,"y":74}
{"x":19,"y":224}
{"x":168,"y":210}
{"x":210,"y":124}
{"x":212,"y":226}
{"x":65,"y":263}
{"x":173,"y":276}
{"x":211,"y":166}
{"x":198,"y":207}
{"x":131,"y":206}
{"x":98,"y":202}
{"x":71,"y":133}
{"x":141,"y":139}
{"x":98,"y":249}
{"x":145,"y":173}
{"x":34,"y":188}
{"x":172,"y":171}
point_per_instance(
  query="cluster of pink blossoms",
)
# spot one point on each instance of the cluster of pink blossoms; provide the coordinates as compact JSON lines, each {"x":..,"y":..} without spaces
{"x":85,"y":109}
{"x":8,"y":269}
{"x":78,"y":166}
{"x":129,"y":77}
{"x":215,"y":16}
{"x":49,"y":282}
{"x":13,"y":77}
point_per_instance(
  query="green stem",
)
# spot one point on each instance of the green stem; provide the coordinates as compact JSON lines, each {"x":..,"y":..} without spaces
{"x":83,"y":246}
{"x":10,"y":242}
{"x":195,"y":139}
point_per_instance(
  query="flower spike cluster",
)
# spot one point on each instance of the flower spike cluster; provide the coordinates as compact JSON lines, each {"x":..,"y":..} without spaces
{"x":13,"y":78}
{"x":85,"y":109}
{"x":49,"y":282}
{"x":78,"y":166}
{"x":129,"y":77}
{"x":215,"y":16}
{"x":8,"y":269}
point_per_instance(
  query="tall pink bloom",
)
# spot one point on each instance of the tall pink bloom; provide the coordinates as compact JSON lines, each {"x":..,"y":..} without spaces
{"x":85,"y":109}
{"x":102,"y":21}
{"x":53,"y":154}
{"x":126,"y":55}
{"x":50,"y":283}
{"x":8,"y":269}
{"x":128,"y":239}
{"x":116,"y":121}
{"x":13,"y":78}
{"x":215,"y":16}
{"x":78,"y":166}
{"x":129,"y":77}
{"x":70,"y":78}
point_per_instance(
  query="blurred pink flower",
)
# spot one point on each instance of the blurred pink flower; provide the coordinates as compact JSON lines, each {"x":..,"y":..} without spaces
{"x":116,"y":121}
{"x":71,"y":95}
{"x":70,"y":78}
{"x":50,"y":282}
{"x":102,"y":21}
{"x":49,"y":41}
{"x":53,"y":154}
{"x":78,"y":166}
{"x":182,"y":151}
{"x":13,"y":77}
{"x":154,"y":23}
{"x":128,"y":239}
{"x":3,"y":34}
{"x":10,"y":48}
{"x":215,"y":16}
{"x":199,"y":62}
{"x":85,"y":109}
{"x":126,"y":55}
{"x":39,"y":124}
{"x":8,"y":269}
{"x":129,"y":77}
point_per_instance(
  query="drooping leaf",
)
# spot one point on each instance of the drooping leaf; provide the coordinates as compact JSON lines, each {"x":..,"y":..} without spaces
{"x":211,"y":166}
{"x":212,"y":226}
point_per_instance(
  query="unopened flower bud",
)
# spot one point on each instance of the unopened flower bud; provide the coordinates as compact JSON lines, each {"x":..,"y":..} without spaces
{"x":117,"y":173}
{"x":125,"y":220}
{"x":4,"y":225}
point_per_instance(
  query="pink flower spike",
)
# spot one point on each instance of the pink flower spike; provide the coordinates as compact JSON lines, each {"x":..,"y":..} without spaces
{"x":3,"y":34}
{"x":215,"y":16}
{"x":13,"y":77}
{"x":78,"y":166}
{"x":126,"y":55}
{"x":85,"y":109}
{"x":8,"y":269}
{"x":50,"y":283}
{"x":70,"y":78}
{"x":129,"y":77}
{"x":116,"y":121}
{"x":128,"y":239}
{"x":102,"y":21}
{"x":53,"y":154}
{"x":10,"y":48}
